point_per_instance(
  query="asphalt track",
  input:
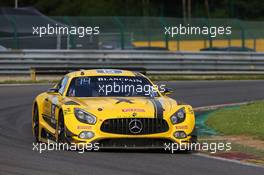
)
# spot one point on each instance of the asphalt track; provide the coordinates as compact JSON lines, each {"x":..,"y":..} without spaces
{"x":17,"y":157}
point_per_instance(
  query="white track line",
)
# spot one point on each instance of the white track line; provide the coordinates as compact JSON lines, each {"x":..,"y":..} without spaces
{"x":229,"y":160}
{"x":212,"y":107}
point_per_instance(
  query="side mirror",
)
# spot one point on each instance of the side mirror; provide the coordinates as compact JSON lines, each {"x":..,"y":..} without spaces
{"x":167,"y":91}
{"x":52,"y":91}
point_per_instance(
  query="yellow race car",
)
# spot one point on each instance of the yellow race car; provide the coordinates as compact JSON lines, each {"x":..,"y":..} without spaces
{"x":113,"y":108}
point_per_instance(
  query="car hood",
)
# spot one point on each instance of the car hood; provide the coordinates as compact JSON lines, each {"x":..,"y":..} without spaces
{"x":127,"y":106}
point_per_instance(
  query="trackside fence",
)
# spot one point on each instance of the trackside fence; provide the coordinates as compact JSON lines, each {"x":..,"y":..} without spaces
{"x":26,"y":62}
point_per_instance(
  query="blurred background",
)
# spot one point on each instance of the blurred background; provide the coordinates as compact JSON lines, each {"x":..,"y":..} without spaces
{"x":133,"y":24}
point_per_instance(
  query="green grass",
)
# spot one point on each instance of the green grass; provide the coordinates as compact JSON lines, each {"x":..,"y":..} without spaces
{"x":243,"y":120}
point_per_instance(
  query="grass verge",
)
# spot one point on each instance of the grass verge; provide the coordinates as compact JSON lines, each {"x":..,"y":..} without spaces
{"x":242,"y":120}
{"x":242,"y":126}
{"x":238,"y":151}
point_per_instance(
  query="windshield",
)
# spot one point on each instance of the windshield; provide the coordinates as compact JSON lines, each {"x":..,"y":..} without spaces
{"x":116,"y":86}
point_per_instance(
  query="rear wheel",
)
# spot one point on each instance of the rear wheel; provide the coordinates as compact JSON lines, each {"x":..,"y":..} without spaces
{"x":35,"y":123}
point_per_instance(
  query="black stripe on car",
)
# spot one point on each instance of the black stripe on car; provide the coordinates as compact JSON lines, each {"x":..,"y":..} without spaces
{"x":158,"y":109}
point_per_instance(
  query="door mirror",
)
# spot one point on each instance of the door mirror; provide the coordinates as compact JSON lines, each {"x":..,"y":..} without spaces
{"x":167,"y":91}
{"x":53,"y":91}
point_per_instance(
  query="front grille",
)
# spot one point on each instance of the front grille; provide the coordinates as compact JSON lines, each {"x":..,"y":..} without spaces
{"x":143,"y":126}
{"x":133,"y":143}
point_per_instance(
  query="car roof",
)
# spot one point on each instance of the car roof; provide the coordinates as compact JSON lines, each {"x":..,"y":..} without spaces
{"x":103,"y":72}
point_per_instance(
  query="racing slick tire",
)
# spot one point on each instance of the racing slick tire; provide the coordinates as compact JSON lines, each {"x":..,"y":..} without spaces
{"x":35,"y":123}
{"x":61,"y":129}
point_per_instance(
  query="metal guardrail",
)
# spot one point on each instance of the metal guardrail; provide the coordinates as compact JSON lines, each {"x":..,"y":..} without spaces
{"x":22,"y":62}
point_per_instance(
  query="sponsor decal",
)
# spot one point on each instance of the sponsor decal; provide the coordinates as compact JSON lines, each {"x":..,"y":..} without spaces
{"x":119,"y":79}
{"x":84,"y":127}
{"x":182,"y":127}
{"x":133,"y":110}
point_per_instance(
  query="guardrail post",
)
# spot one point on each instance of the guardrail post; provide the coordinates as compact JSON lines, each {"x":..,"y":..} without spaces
{"x":58,"y":45}
{"x":70,"y":41}
{"x":15,"y":37}
{"x":166,"y":39}
{"x":208,"y":37}
{"x":33,"y":74}
{"x":122,"y":32}
{"x":242,"y":33}
{"x":243,"y":38}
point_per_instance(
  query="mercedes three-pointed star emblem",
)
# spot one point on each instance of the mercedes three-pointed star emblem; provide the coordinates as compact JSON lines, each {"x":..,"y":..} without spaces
{"x":135,"y":126}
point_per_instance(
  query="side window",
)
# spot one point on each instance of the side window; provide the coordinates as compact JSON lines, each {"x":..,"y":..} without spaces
{"x":62,"y":85}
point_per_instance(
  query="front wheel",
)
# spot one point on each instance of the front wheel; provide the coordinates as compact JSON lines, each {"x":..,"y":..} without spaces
{"x":61,"y":129}
{"x":35,"y":123}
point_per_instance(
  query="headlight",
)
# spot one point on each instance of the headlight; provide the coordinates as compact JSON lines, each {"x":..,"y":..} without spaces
{"x":178,"y":116}
{"x":84,"y":116}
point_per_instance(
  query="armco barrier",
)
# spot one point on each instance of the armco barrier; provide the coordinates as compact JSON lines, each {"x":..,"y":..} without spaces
{"x":22,"y":62}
